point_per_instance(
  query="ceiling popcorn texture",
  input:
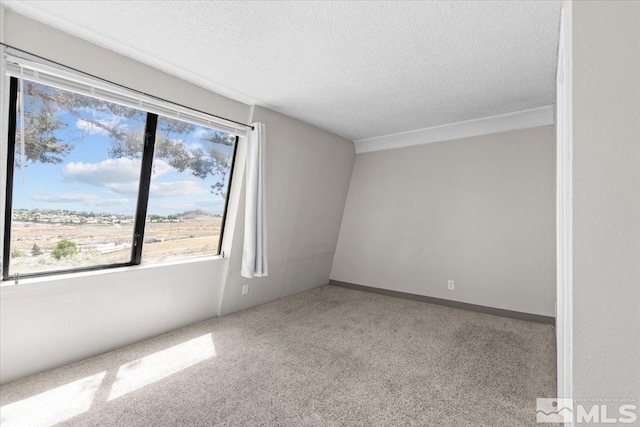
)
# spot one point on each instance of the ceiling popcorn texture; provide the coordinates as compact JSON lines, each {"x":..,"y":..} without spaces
{"x":358,"y":69}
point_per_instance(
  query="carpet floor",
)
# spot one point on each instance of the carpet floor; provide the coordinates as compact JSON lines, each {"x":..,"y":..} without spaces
{"x":327,"y":357}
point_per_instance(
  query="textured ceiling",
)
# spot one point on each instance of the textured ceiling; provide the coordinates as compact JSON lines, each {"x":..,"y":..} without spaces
{"x":358,"y":69}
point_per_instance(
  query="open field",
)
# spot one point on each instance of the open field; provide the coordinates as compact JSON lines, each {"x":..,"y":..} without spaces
{"x":102,"y":244}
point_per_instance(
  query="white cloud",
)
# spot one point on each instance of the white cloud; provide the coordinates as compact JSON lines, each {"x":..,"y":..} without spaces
{"x":90,"y":128}
{"x":61,"y":198}
{"x":176,"y":188}
{"x":104,"y":173}
{"x":200,"y":132}
{"x":119,"y":175}
{"x":160,"y":167}
{"x":108,"y":120}
{"x":122,"y":176}
{"x":130,"y":187}
{"x":87,"y":199}
{"x":194,"y":146}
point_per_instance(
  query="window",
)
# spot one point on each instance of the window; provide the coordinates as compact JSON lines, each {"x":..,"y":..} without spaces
{"x":99,"y":184}
{"x":188,"y":192}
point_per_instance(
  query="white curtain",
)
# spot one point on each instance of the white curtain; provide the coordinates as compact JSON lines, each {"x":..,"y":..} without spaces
{"x":254,"y":253}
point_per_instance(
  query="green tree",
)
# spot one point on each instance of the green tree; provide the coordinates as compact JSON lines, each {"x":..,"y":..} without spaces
{"x":64,"y":248}
{"x":16,"y":253}
{"x":35,"y":250}
{"x":43,"y":145}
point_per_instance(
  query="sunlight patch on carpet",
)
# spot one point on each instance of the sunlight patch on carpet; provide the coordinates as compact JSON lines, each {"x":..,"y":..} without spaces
{"x":53,"y":406}
{"x":149,"y":369}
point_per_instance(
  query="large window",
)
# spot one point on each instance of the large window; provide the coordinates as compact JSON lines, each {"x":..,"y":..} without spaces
{"x":94,"y":184}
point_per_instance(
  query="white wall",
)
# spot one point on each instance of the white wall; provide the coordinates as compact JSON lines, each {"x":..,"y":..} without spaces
{"x":308,"y":173}
{"x":50,"y":322}
{"x":478,"y":210}
{"x":61,"y":319}
{"x":606,"y":202}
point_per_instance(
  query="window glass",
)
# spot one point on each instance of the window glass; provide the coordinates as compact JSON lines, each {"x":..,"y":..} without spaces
{"x":74,"y":206}
{"x":187,"y":196}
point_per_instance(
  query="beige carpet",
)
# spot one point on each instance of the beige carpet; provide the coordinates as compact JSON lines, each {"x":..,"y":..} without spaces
{"x":326,"y":357}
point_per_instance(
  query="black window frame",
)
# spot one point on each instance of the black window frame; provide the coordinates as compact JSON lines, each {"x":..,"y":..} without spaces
{"x":141,"y":206}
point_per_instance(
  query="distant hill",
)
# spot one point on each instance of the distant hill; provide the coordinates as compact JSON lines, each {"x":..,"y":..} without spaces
{"x":70,"y":216}
{"x":193,"y":214}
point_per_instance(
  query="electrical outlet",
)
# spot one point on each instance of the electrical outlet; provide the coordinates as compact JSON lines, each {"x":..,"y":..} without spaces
{"x":450,"y":284}
{"x":245,"y":289}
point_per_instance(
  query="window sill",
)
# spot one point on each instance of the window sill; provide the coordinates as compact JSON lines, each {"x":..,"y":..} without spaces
{"x":6,"y":285}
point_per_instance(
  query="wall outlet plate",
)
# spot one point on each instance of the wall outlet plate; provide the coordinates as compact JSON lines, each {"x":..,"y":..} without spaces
{"x":245,"y":289}
{"x":451,"y":284}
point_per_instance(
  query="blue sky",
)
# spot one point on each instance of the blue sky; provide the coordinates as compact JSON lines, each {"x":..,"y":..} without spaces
{"x":89,"y":180}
